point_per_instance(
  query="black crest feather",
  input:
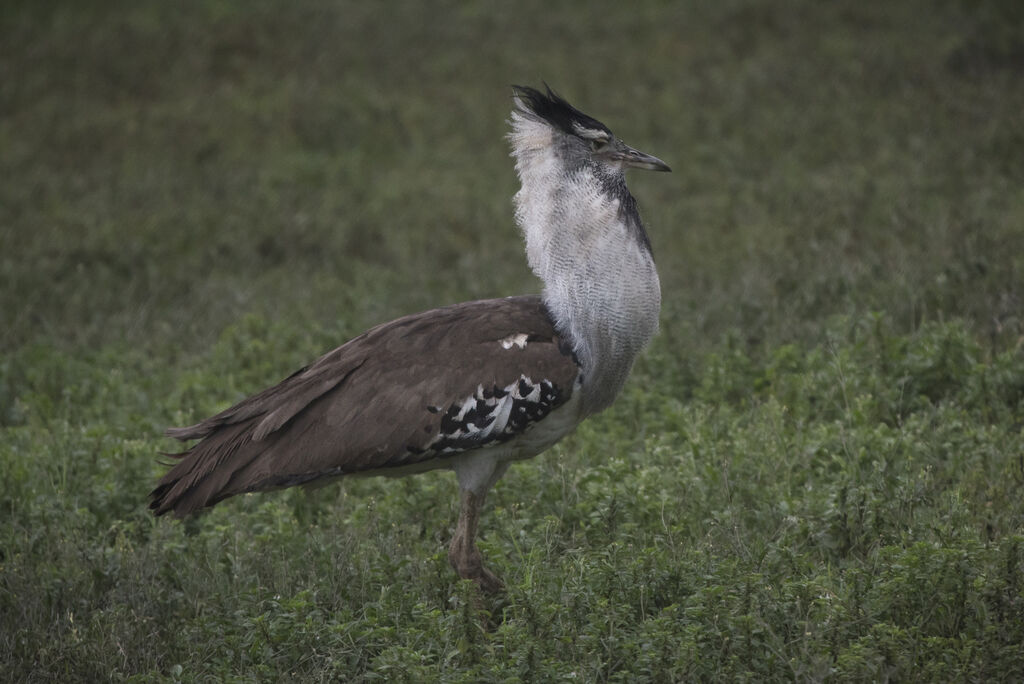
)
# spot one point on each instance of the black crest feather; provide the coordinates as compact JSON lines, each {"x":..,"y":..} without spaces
{"x":555,"y":110}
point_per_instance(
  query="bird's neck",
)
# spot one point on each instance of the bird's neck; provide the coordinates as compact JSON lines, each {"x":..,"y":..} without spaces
{"x":589,"y":249}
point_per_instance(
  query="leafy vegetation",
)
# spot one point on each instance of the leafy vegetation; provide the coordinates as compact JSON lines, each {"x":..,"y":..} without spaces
{"x":814,"y":474}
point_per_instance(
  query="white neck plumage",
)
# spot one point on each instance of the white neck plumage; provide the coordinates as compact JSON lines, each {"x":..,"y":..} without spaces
{"x":600,"y":283}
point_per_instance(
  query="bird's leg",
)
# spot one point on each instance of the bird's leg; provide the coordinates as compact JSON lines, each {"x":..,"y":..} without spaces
{"x":463,"y":554}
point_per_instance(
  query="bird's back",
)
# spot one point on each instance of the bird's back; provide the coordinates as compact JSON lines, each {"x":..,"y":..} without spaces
{"x":405,"y":395}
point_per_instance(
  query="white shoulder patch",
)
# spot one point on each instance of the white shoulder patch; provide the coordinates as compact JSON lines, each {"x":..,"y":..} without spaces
{"x":516,"y":340}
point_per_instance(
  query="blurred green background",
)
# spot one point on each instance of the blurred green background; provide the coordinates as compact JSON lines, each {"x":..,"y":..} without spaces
{"x":197,"y":198}
{"x":170,"y":168}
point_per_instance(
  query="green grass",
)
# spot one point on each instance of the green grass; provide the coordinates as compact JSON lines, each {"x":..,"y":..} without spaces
{"x":815,"y":473}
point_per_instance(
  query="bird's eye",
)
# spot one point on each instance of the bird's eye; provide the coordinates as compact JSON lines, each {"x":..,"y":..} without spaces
{"x":597,"y":143}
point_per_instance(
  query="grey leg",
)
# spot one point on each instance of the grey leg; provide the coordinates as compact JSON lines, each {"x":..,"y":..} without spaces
{"x":463,"y":553}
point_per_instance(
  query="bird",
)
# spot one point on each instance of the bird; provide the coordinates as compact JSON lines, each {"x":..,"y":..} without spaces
{"x":470,"y":387}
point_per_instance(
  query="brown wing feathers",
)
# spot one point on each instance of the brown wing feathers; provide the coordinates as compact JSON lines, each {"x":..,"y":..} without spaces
{"x":378,"y":401}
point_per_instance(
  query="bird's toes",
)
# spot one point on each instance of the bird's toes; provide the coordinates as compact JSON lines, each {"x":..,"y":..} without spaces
{"x":469,"y":565}
{"x":488,"y":582}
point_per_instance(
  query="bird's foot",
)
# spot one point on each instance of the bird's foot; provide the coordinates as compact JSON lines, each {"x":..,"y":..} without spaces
{"x":488,"y":582}
{"x":467,"y":562}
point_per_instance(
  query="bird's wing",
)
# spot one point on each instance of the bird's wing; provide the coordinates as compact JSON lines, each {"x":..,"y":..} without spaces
{"x":419,"y":388}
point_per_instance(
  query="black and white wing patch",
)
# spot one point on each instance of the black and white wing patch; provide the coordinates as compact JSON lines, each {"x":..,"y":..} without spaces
{"x":494,"y":414}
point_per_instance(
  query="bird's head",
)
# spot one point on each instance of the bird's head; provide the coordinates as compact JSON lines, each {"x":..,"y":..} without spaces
{"x":579,"y":139}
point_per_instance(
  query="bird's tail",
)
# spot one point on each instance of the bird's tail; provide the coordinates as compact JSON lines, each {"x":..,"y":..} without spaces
{"x":208,"y":472}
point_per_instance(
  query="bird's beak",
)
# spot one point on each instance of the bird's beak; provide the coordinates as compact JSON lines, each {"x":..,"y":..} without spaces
{"x":639,"y":160}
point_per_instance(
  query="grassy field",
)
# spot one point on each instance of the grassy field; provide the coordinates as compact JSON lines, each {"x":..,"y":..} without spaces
{"x":814,"y":474}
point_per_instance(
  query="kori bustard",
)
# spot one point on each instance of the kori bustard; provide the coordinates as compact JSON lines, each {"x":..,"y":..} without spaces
{"x":474,"y":386}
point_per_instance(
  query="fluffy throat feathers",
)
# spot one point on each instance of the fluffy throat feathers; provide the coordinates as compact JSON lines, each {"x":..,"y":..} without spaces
{"x":584,"y":240}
